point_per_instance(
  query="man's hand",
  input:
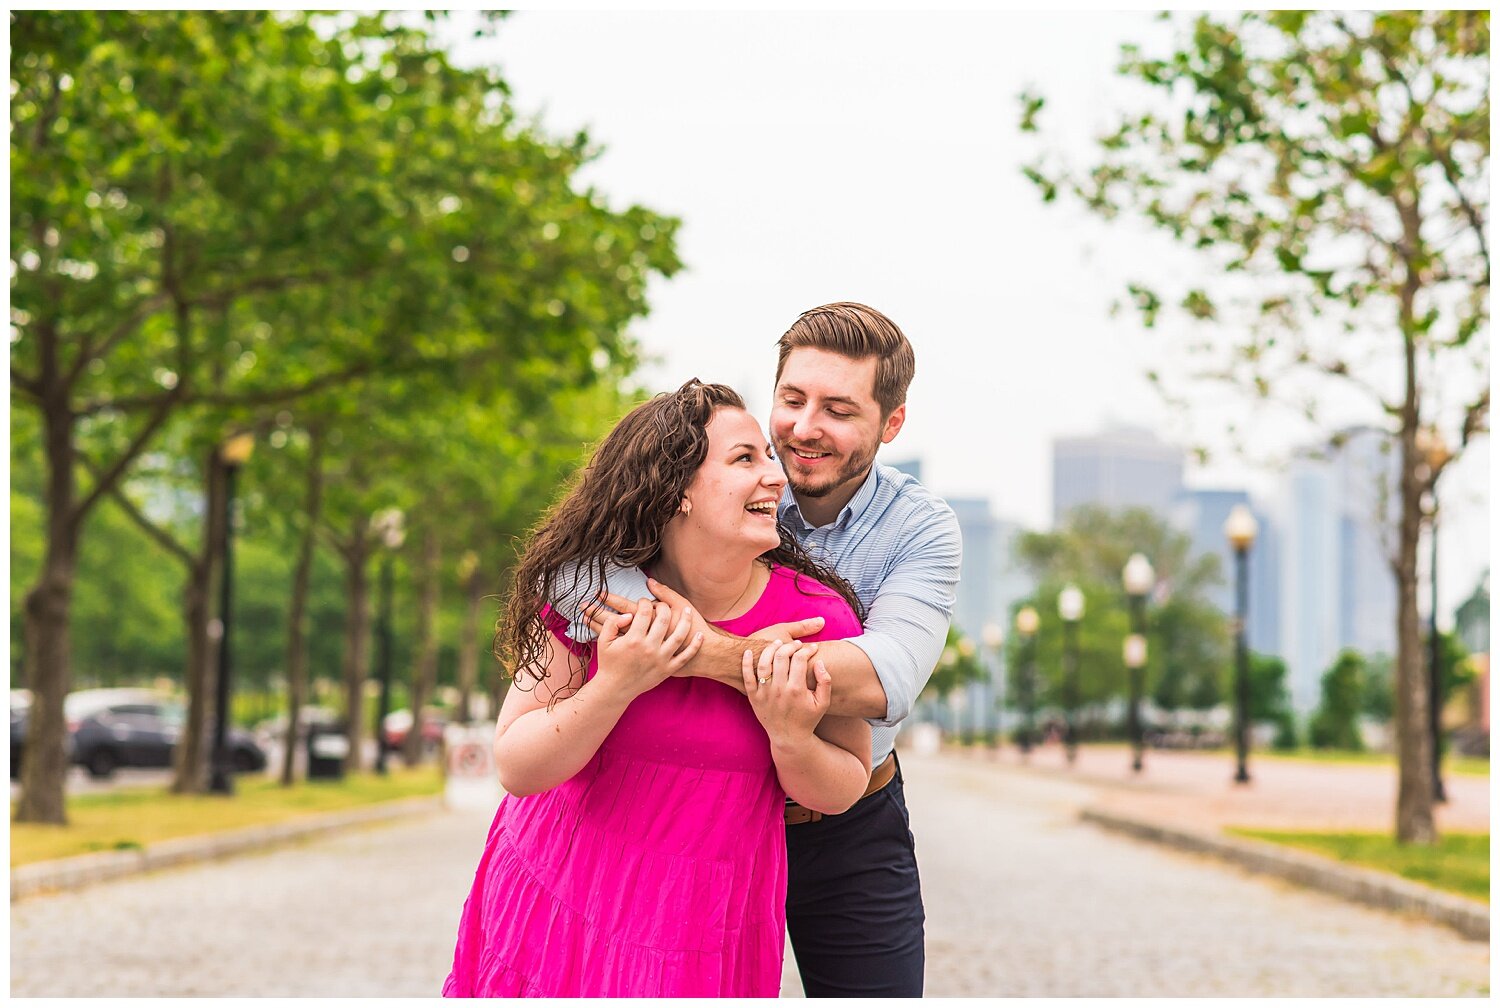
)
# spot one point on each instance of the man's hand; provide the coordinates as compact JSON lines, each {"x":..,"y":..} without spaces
{"x":601,"y":612}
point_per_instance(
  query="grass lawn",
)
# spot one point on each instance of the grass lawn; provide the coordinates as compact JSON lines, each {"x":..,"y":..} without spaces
{"x":136,"y":817}
{"x":1460,"y":864}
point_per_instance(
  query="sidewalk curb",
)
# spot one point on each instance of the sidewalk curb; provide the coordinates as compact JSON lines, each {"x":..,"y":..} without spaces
{"x":1469,"y":918}
{"x":86,"y":869}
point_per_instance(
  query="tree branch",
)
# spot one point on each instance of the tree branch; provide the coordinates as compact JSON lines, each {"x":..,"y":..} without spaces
{"x":1443,"y":155}
{"x":1476,"y":419}
{"x":112,"y":475}
{"x":158,"y":534}
{"x":31,"y":386}
{"x":260,"y":285}
{"x":145,"y":307}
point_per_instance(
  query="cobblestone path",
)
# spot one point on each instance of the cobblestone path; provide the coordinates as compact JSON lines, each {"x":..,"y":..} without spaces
{"x":1021,"y":901}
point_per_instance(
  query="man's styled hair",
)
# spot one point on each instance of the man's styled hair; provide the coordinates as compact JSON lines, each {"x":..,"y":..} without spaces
{"x":856,"y":331}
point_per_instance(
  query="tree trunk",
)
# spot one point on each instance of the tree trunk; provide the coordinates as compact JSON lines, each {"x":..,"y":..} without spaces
{"x":190,"y":761}
{"x":296,"y":651}
{"x":1414,"y":796}
{"x":424,"y":675}
{"x":468,"y":648}
{"x":44,"y":764}
{"x":356,"y":638}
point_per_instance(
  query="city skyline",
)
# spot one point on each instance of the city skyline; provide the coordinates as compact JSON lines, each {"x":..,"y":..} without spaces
{"x":784,"y":142}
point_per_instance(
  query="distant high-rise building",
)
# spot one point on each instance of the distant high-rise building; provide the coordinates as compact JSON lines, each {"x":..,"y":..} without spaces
{"x":1201,"y":515}
{"x":1337,"y":588}
{"x":1118,"y":468}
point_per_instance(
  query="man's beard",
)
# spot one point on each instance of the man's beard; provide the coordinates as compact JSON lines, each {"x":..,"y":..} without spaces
{"x":852,"y":468}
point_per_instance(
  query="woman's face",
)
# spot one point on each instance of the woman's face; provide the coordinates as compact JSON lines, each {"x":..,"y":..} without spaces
{"x":733,"y":496}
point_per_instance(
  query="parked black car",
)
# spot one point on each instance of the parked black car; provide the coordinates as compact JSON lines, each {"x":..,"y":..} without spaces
{"x":142,"y":731}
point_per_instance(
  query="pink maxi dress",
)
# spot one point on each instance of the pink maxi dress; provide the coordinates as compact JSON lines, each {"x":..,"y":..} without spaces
{"x":659,"y":870}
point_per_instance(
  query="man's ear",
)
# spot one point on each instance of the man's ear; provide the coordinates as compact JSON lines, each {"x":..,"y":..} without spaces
{"x":893,"y":424}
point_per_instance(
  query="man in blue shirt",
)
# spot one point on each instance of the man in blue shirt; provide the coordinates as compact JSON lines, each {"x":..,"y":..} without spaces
{"x":854,"y":902}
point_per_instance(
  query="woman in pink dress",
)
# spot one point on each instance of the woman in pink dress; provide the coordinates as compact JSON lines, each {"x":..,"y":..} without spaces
{"x":640,"y":850}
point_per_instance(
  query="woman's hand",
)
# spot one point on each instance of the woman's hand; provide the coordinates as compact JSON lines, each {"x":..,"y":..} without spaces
{"x":778,"y":689}
{"x":639,"y":650}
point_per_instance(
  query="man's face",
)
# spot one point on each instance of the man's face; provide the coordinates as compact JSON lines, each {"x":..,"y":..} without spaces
{"x":825,"y":422}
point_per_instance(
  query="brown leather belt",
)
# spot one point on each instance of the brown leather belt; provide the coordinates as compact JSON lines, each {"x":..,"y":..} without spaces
{"x":882,"y":775}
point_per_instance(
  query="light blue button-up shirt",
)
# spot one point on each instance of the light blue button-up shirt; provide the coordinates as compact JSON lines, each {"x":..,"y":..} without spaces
{"x":898,"y":545}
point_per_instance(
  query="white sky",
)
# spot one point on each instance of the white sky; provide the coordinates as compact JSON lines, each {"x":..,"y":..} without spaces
{"x":874,"y":157}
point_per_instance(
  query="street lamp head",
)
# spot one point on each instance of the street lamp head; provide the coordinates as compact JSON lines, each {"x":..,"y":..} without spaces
{"x":1138,"y":576}
{"x":237,"y":450}
{"x":1070,"y":604}
{"x":1240,"y":528}
{"x":1027,"y":621}
{"x":1135,"y":651}
{"x":993,"y":635}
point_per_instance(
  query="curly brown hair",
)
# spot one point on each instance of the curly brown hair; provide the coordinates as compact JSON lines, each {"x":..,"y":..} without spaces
{"x":615,"y":514}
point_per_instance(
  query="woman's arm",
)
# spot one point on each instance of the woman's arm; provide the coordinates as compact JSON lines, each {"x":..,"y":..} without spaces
{"x":823,"y":763}
{"x":537,"y":745}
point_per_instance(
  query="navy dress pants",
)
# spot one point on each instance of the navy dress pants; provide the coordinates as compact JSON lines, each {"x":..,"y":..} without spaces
{"x":854,"y":902}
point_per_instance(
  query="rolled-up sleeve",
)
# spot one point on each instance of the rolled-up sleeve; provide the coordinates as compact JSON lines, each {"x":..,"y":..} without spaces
{"x":907,"y":624}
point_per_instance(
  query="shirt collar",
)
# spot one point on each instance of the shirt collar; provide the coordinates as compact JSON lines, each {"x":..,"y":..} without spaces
{"x":791,"y":512}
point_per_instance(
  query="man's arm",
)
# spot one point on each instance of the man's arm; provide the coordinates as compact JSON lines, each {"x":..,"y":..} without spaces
{"x":720,"y":656}
{"x":879,"y":674}
{"x":907,"y":624}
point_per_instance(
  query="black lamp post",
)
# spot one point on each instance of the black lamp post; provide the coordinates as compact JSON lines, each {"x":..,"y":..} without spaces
{"x":1070,"y":608}
{"x":234,"y":453}
{"x":1139,"y":579}
{"x":1436,"y":454}
{"x":1240,"y":529}
{"x":1026,"y":625}
{"x":389,"y":526}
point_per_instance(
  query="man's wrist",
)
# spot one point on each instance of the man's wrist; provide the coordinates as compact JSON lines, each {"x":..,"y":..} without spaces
{"x":721,"y":657}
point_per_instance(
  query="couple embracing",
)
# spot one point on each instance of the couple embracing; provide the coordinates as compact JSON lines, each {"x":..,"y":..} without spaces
{"x":705,"y":764}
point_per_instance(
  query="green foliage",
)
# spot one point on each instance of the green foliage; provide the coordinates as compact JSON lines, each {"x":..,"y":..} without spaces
{"x":1378,"y":700}
{"x":1333,"y":168}
{"x":288,"y":222}
{"x":1335,"y":723}
{"x":1270,"y":700}
{"x":958,"y":664}
{"x":1187,"y":637}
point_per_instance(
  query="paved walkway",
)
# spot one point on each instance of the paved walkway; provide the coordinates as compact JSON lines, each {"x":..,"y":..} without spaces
{"x":1022,"y":900}
{"x":1197,"y":789}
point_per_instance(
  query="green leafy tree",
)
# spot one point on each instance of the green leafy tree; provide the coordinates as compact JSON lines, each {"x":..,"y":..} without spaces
{"x":223,"y":212}
{"x":1333,"y":169}
{"x":958,"y":664}
{"x":1379,"y":698}
{"x":1270,"y":700}
{"x":1335,"y":723}
{"x":1187,"y":637}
